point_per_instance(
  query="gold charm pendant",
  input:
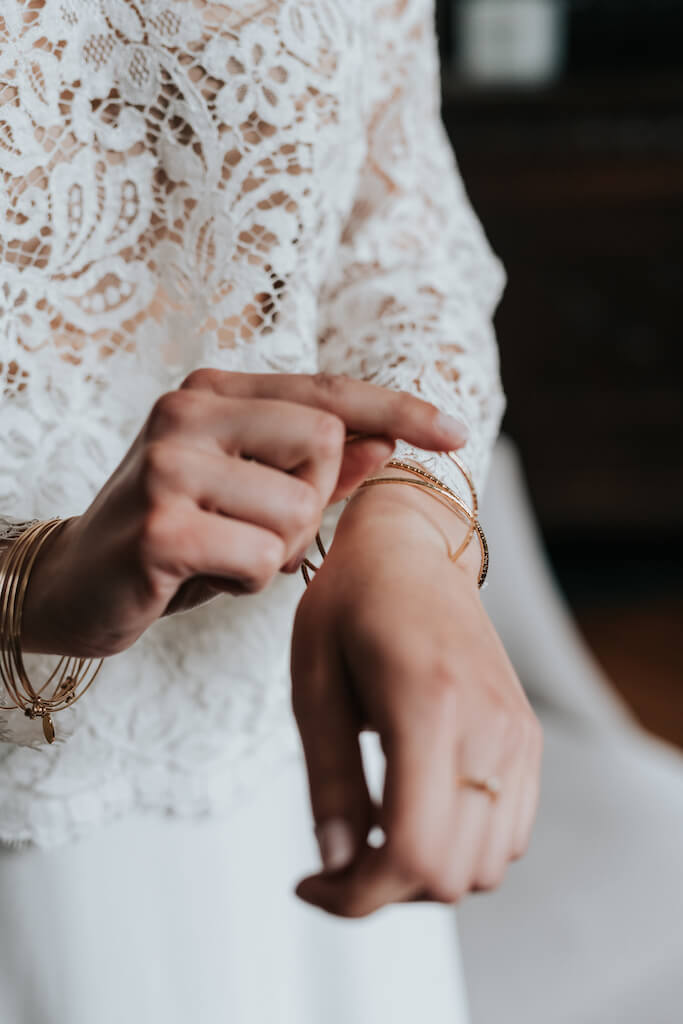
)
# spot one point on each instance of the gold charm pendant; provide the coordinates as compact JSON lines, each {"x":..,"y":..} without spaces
{"x":48,"y":728}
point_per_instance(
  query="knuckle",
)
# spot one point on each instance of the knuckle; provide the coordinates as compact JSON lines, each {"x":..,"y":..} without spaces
{"x":266,"y":564}
{"x":439,"y":695}
{"x":329,"y":383}
{"x":158,"y":460}
{"x":520,"y":848}
{"x":200,"y":379}
{"x":305,"y":510}
{"x":406,"y":405}
{"x":159,"y":531}
{"x":431,"y":414}
{"x":428,"y":413}
{"x":168,"y":413}
{"x":449,"y":891}
{"x":329,"y":435}
{"x":490,"y":878}
{"x":411,"y":859}
{"x":441,"y":672}
{"x":417,"y":659}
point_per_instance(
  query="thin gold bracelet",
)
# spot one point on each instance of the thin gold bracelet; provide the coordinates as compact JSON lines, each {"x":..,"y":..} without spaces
{"x":421,"y":471}
{"x":440,"y":491}
{"x":425,"y":476}
{"x":448,"y":496}
{"x":472,"y":514}
{"x":70,"y":672}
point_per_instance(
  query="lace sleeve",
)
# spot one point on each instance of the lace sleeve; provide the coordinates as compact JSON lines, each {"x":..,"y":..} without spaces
{"x":15,"y":728}
{"x":411,"y":296}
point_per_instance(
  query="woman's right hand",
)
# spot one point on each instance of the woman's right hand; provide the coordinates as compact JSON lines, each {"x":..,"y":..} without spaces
{"x":224,"y":486}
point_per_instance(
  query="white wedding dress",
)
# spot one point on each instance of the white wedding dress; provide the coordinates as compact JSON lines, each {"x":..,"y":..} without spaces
{"x":256,"y":186}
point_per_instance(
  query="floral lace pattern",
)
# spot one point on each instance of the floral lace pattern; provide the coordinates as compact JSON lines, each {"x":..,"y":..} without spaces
{"x":257,"y":186}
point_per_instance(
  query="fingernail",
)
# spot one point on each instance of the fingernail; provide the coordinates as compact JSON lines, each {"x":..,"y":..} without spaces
{"x":453,"y":427}
{"x":337,"y":848}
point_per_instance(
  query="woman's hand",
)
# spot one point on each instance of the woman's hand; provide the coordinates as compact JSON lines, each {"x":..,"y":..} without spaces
{"x":224,"y":486}
{"x":392,"y":636}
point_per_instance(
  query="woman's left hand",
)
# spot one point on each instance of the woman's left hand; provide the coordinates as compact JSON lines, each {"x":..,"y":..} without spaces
{"x":392,"y":636}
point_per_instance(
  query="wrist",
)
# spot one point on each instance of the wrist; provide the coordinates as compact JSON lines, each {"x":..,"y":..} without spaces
{"x":387,"y":516}
{"x":41,"y":631}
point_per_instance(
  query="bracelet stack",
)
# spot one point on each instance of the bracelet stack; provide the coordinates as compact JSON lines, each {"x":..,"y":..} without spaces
{"x":70,"y":673}
{"x":438,"y":489}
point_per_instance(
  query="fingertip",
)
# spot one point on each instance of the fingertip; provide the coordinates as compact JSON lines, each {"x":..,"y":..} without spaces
{"x":308,"y":890}
{"x":370,"y":451}
{"x":380,"y":448}
{"x":294,"y":564}
{"x":457,"y":447}
{"x":301,"y":889}
{"x":363,"y":456}
{"x":453,"y":430}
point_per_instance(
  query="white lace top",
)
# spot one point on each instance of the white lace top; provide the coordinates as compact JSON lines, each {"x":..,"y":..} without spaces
{"x":262,"y":185}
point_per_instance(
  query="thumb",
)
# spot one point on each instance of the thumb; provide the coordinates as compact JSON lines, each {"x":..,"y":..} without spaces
{"x":362,"y":457}
{"x":329,"y":729}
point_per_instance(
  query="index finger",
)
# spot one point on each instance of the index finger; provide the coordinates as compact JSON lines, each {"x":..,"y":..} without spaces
{"x":365,"y":408}
{"x":417,"y":813}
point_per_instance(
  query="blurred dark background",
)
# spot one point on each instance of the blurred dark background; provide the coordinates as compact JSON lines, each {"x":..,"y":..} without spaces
{"x":572,"y":152}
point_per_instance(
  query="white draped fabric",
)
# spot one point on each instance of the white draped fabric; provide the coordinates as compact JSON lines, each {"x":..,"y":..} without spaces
{"x":168,"y":920}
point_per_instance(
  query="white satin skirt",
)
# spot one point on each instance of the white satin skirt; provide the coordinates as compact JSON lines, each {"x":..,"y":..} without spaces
{"x":152,"y":920}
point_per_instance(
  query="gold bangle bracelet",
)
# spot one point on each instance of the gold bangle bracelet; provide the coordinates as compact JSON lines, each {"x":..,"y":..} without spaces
{"x":468,"y":478}
{"x":421,"y":471}
{"x":438,"y":490}
{"x":70,"y":672}
{"x":425,"y":476}
{"x":448,"y":496}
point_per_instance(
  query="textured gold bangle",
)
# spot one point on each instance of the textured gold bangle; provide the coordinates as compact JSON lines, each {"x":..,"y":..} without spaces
{"x":16,"y":566}
{"x":426,"y":477}
{"x":468,"y":478}
{"x":439,"y":490}
{"x":448,"y":496}
{"x":421,"y":471}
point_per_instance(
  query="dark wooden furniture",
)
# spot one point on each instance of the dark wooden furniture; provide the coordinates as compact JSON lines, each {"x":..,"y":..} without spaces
{"x":580,"y":188}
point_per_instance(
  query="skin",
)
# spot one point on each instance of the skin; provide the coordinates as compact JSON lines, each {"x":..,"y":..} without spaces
{"x":224,"y":487}
{"x":392,"y":636}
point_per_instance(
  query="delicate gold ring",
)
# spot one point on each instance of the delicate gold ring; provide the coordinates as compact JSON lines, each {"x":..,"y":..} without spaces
{"x":492,"y":785}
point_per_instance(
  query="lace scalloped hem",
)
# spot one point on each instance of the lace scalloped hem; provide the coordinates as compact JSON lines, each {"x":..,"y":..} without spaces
{"x":206,"y":793}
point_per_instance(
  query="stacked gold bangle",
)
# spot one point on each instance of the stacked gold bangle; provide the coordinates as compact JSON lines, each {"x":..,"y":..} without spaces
{"x":70,"y":673}
{"x":439,"y":490}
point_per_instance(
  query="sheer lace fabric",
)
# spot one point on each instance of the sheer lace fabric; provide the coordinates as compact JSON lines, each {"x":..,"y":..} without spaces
{"x":252,"y":186}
